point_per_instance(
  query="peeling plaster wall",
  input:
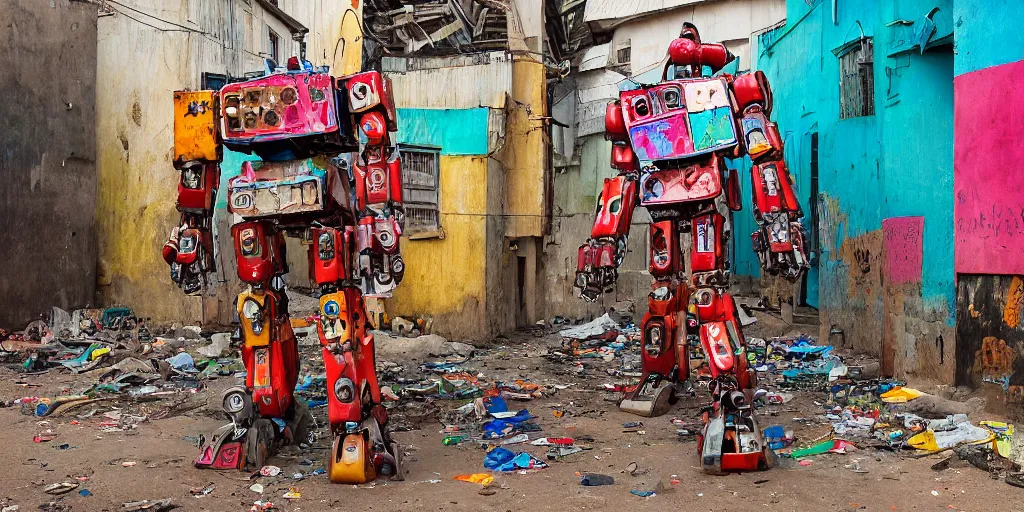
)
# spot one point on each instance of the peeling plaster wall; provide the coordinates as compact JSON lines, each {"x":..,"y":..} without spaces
{"x":893,"y":164}
{"x":139,"y":67}
{"x":47,"y":158}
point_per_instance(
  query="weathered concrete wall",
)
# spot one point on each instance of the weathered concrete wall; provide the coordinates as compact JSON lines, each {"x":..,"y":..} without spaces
{"x":525,"y":153}
{"x":872,"y":169}
{"x":47,"y":158}
{"x":576,"y":190}
{"x":465,"y":281}
{"x":730,"y":22}
{"x":989,"y":191}
{"x":137,"y":184}
{"x":990,"y":339}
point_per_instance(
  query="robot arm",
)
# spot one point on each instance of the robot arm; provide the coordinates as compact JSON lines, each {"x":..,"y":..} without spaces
{"x":197,"y":155}
{"x":378,"y":183}
{"x":779,"y":240}
{"x":599,"y":258}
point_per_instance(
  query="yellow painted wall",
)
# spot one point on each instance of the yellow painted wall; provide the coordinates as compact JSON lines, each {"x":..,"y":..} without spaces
{"x":445,"y":278}
{"x":525,"y":152}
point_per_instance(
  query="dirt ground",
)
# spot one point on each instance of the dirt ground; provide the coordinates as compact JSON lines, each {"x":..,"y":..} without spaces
{"x":162,"y":451}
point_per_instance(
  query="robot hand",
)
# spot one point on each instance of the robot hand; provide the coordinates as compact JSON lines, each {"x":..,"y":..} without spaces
{"x":780,"y":247}
{"x":597,"y":267}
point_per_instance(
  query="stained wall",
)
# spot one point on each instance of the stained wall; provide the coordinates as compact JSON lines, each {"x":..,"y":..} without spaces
{"x":47,"y":158}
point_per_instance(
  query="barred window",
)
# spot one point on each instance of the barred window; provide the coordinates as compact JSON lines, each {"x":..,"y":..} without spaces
{"x":421,"y":169}
{"x":857,"y":80}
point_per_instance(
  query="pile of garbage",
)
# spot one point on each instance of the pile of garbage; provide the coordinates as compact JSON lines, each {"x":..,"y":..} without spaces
{"x":129,"y":374}
{"x":604,"y":345}
{"x":862,"y":411}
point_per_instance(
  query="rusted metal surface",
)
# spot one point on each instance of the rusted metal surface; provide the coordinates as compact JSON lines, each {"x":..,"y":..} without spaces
{"x":990,"y":338}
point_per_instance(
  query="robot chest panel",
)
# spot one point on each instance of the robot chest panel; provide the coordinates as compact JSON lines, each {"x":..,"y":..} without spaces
{"x":679,"y":119}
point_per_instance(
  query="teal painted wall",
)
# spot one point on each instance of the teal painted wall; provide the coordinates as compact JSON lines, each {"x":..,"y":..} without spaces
{"x":457,"y":132}
{"x":897,"y":162}
{"x":988,"y":33}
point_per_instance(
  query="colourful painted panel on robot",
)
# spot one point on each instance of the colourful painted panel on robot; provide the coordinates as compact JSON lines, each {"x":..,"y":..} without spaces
{"x":195,"y":134}
{"x":663,"y":126}
{"x":278,"y":107}
{"x":710,"y":115}
{"x":278,"y":188}
{"x":693,"y":183}
{"x":661,"y":139}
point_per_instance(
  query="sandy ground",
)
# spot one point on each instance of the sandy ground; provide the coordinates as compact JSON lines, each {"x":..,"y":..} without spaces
{"x":162,"y":454}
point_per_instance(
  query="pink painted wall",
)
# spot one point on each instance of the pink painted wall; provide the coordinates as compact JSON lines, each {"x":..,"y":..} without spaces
{"x":903,"y":249}
{"x":989,"y":170}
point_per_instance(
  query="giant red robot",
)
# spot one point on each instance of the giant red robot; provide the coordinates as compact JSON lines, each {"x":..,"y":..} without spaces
{"x":670,"y":142}
{"x":329,"y":172}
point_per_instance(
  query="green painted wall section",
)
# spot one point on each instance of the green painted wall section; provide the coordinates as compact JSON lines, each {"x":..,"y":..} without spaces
{"x":458,"y":132}
{"x":988,"y":33}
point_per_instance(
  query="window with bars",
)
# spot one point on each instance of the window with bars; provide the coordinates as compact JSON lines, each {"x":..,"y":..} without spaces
{"x":274,"y":48}
{"x":421,"y":183}
{"x":857,"y":80}
{"x":624,"y":52}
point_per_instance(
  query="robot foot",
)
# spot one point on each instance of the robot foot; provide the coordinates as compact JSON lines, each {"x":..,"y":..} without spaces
{"x":361,"y":455}
{"x":723,"y":448}
{"x":649,"y":400}
{"x":239,"y":448}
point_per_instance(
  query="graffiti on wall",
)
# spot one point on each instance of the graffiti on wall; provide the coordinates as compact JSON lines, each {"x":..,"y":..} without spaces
{"x":994,"y":361}
{"x":903,"y":249}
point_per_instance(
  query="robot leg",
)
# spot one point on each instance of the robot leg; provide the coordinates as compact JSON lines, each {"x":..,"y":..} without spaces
{"x":264,"y":413}
{"x":362,"y":448}
{"x":664,"y":353}
{"x":731,"y":439}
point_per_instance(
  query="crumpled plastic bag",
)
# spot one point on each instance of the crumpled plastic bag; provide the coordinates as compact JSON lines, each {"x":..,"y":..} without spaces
{"x":963,"y":432}
{"x":591,"y":329}
{"x":476,"y":478}
{"x":500,"y":459}
{"x":900,"y":395}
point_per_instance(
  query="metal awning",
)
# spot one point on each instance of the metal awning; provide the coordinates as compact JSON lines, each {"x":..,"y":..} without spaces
{"x":293,"y":24}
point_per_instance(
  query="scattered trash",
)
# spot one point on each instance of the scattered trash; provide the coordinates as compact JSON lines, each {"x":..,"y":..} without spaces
{"x":155,"y":506}
{"x":261,"y":506}
{"x":257,"y":488}
{"x":596,"y":479}
{"x":642,"y":494}
{"x":476,"y":478}
{"x":943,"y":434}
{"x":900,"y":395}
{"x":270,"y":471}
{"x":60,"y":488}
{"x":292,"y":494}
{"x":500,"y":459}
{"x":85,"y":492}
{"x":202,"y":491}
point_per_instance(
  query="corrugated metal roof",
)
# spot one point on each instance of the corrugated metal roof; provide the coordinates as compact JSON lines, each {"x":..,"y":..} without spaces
{"x":468,"y":81}
{"x":613,"y":12}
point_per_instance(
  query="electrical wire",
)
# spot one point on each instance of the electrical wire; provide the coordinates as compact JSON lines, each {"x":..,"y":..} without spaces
{"x":190,"y":29}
